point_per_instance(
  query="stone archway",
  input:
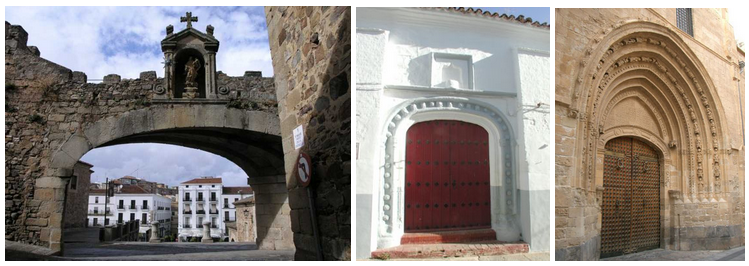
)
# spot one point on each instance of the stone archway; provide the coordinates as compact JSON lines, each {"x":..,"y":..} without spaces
{"x":250,"y":139}
{"x":505,"y":201}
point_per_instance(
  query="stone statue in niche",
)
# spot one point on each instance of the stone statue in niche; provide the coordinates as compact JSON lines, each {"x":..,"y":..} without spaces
{"x":191,"y":69}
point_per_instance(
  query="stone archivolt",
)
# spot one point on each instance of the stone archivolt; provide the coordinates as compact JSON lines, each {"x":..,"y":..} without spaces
{"x":651,"y":63}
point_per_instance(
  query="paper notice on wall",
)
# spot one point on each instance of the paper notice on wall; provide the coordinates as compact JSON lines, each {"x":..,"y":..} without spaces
{"x":298,"y":137}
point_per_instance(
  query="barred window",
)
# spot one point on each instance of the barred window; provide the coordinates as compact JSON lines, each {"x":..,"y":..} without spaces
{"x":684,"y":20}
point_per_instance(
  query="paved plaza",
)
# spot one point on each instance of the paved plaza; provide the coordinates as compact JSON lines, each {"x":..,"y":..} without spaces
{"x":82,"y":244}
{"x":735,"y":254}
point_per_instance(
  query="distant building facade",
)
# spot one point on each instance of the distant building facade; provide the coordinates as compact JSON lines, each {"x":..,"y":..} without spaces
{"x":203,"y":199}
{"x":130,"y":203}
{"x":243,"y":229}
{"x":77,"y":195}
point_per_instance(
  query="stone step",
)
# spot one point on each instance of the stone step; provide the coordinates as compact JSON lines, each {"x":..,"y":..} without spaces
{"x":423,"y":251}
{"x":458,"y":236}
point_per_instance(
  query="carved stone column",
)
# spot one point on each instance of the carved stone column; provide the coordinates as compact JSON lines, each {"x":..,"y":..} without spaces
{"x":154,"y":233}
{"x":207,"y":232}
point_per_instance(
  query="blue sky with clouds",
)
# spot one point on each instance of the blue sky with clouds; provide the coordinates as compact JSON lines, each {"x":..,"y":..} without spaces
{"x":127,"y":41}
{"x":540,"y":14}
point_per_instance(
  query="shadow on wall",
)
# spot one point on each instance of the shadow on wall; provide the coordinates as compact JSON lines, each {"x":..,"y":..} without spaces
{"x":331,"y":147}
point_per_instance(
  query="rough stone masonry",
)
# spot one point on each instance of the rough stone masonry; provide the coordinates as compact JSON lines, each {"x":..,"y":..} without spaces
{"x":311,"y":51}
{"x":48,"y":105}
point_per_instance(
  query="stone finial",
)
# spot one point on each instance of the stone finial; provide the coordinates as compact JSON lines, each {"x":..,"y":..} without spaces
{"x":209,"y":30}
{"x":148,"y":75}
{"x":169,"y":30}
{"x":189,"y":19}
{"x":111,"y":78}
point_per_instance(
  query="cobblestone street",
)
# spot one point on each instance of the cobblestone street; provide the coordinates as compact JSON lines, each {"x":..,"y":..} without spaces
{"x":735,"y":254}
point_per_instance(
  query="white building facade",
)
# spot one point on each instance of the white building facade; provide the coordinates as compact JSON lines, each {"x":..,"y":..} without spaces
{"x":133,"y":203}
{"x":206,"y":199}
{"x":423,"y":71}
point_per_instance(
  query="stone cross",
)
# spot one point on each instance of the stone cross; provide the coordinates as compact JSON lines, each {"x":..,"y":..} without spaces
{"x":189,"y":19}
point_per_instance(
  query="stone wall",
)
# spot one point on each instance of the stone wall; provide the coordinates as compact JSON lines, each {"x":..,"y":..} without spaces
{"x":310,"y":47}
{"x":245,"y":223}
{"x":47,"y":105}
{"x":75,"y":214}
{"x":696,"y":212}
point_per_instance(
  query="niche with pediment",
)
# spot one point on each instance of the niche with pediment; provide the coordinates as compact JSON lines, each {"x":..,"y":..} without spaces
{"x":189,"y":64}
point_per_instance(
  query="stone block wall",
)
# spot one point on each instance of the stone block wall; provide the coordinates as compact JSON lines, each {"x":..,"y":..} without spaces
{"x":76,"y":215}
{"x":45,"y":104}
{"x":311,"y":51}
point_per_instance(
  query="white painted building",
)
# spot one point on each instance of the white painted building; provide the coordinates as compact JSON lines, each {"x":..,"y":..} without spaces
{"x":203,"y":199}
{"x":131,"y":203}
{"x":424,"y":72}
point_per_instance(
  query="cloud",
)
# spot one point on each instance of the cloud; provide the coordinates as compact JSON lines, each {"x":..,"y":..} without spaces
{"x":126,"y":40}
{"x":169,"y":164}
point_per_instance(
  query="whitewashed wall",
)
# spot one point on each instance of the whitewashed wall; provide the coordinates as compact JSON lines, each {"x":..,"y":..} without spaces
{"x":401,"y":56}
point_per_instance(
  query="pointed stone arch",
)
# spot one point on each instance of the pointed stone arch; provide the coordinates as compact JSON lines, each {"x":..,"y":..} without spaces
{"x":677,"y":85}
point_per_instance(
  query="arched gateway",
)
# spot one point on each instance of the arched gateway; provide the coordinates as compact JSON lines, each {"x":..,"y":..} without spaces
{"x":60,"y":117}
{"x":649,"y":151}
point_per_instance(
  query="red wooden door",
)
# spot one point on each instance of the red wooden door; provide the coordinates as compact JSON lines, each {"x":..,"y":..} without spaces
{"x":447,"y":176}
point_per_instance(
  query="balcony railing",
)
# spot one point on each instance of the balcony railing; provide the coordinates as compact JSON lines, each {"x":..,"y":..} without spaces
{"x":133,"y":207}
{"x":213,"y":226}
{"x":187,"y":199}
{"x":229,"y":220}
{"x":121,"y":207}
{"x":213,"y":211}
{"x":200,"y":199}
{"x":187,"y":212}
{"x":200,"y":226}
{"x":213,"y":199}
{"x":186,"y":226}
{"x":96,"y":213}
{"x":200,"y":212}
{"x":143,"y":222}
{"x":226,"y":206}
{"x":145,"y":207}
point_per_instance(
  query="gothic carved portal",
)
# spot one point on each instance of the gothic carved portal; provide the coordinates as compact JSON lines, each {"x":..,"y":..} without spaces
{"x":641,"y":81}
{"x":646,"y":82}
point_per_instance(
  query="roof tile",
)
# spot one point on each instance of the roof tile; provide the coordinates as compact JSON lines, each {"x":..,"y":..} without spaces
{"x":478,"y":12}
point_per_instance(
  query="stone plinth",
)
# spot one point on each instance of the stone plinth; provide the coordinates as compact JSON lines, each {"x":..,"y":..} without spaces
{"x":207,"y":232}
{"x":190,"y":93}
{"x":154,"y":233}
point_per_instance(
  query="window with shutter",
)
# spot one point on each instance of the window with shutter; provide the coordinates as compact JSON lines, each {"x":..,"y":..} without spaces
{"x":684,"y":20}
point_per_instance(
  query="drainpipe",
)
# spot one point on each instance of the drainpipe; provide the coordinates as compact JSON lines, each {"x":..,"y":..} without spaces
{"x":741,"y":107}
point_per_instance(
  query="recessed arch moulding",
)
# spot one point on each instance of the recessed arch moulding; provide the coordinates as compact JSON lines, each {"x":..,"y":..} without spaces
{"x":642,"y":80}
{"x":505,"y":198}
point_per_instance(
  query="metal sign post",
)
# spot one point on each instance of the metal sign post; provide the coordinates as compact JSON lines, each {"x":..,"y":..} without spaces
{"x":304,"y":176}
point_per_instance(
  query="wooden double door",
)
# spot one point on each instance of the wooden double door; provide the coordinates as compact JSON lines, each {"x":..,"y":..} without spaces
{"x":447,"y":177}
{"x":631,"y":198}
